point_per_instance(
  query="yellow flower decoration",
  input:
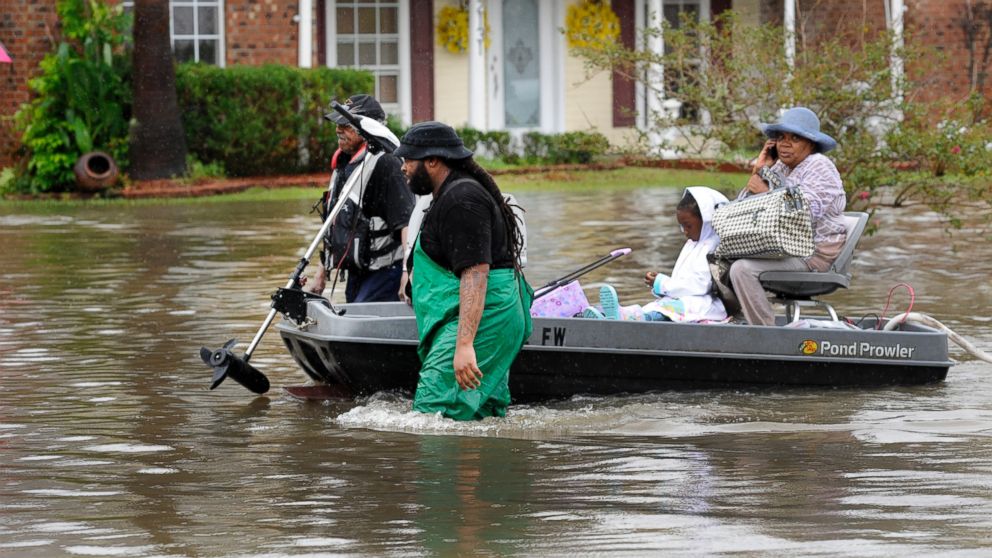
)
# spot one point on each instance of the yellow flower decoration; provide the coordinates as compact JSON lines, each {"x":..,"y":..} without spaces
{"x":591,"y":24}
{"x":452,"y":29}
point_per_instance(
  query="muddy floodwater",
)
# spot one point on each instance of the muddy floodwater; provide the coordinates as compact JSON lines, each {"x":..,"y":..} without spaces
{"x":111,"y":444}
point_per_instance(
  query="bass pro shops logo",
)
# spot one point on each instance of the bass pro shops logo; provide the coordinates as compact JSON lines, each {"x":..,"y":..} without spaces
{"x":808,"y":347}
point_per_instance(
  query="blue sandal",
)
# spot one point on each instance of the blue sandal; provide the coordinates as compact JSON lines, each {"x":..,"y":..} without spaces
{"x":610,"y":302}
{"x":592,"y":313}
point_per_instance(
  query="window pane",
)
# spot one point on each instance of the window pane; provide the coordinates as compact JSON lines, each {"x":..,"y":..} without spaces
{"x":387,"y":89}
{"x":346,"y":20}
{"x":387,"y":20}
{"x":208,"y":51}
{"x":389,"y":53}
{"x":183,"y":49}
{"x":207,"y":21}
{"x":366,"y":20}
{"x":672,"y":16}
{"x":182,"y":20}
{"x":366,"y":54}
{"x":346,"y":54}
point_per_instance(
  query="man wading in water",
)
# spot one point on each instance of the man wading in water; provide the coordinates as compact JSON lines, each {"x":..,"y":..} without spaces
{"x":470,"y":297}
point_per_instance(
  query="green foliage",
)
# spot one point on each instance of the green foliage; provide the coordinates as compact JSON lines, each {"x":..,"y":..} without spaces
{"x":196,"y":171}
{"x":731,"y":76}
{"x":6,"y":180}
{"x":253,"y":120}
{"x":569,"y":147}
{"x":496,"y":144}
{"x":82,"y":96}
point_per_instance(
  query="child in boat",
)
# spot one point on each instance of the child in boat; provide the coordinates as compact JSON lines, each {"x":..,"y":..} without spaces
{"x":684,"y":296}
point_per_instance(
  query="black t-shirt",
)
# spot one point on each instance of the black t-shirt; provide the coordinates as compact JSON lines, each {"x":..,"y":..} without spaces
{"x":464,"y":227}
{"x":387,"y":195}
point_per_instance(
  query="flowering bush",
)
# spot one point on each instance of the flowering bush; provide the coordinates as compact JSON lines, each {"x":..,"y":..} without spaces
{"x":591,"y":24}
{"x":452,"y":29}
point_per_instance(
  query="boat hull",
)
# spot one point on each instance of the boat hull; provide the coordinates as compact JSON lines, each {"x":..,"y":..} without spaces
{"x":372,"y":347}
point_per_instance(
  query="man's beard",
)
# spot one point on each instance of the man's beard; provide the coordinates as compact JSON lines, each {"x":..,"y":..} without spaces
{"x":420,"y":181}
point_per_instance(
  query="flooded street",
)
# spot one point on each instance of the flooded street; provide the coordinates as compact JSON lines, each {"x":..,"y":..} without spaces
{"x":111,"y":444}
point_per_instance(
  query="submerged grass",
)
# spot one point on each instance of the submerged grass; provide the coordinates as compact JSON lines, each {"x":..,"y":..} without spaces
{"x":555,"y":180}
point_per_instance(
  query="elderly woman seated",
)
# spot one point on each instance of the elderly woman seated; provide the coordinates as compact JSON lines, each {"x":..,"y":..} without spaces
{"x":794,"y":150}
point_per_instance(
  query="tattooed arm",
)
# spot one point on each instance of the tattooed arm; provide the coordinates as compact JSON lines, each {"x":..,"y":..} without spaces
{"x":472,"y":301}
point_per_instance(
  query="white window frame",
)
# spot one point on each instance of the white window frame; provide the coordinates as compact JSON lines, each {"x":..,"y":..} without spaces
{"x":195,"y":37}
{"x":403,"y":108}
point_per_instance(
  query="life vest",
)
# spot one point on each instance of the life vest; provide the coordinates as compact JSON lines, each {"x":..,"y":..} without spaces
{"x":356,"y":241}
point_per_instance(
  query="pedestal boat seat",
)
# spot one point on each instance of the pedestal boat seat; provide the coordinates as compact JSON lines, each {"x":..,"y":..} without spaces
{"x":797,"y":289}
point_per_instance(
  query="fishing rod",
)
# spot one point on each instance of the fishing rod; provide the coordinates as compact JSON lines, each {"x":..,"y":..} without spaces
{"x":566,"y":279}
{"x":291,"y":300}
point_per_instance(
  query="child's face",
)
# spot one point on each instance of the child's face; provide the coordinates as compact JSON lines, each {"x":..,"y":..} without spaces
{"x":691,"y":225}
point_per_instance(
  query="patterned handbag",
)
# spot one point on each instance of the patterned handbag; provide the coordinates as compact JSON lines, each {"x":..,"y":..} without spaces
{"x":772,"y":225}
{"x":563,"y":302}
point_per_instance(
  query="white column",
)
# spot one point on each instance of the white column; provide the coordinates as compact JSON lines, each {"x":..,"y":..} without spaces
{"x":789,"y":21}
{"x":898,"y":9}
{"x":656,"y":73}
{"x":476,"y":66}
{"x":405,"y":84}
{"x":306,"y":33}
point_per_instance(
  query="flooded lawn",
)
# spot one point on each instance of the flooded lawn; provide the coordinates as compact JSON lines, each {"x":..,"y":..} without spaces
{"x":112,"y":445}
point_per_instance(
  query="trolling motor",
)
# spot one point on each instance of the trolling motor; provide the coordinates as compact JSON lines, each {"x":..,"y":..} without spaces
{"x":291,"y":300}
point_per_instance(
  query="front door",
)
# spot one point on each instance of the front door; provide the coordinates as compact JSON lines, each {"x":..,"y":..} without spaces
{"x":521,"y":64}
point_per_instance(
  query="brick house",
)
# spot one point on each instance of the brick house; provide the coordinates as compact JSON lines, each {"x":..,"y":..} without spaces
{"x":525,"y":80}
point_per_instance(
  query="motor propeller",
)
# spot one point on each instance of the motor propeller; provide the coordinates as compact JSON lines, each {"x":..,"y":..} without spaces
{"x":225,"y":363}
{"x":287,"y":300}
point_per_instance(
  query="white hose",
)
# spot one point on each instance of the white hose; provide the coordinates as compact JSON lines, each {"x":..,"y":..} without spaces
{"x":930,"y":321}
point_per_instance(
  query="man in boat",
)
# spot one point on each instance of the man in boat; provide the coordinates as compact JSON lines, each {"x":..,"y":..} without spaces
{"x":369,"y":234}
{"x":469,"y":295}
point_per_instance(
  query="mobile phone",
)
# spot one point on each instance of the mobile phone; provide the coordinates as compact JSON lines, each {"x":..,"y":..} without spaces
{"x":773,"y":152}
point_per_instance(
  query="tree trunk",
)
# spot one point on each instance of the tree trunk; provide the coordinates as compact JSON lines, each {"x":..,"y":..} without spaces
{"x":158,"y":143}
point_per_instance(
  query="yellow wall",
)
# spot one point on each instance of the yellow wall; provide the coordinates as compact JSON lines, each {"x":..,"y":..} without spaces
{"x":748,"y":10}
{"x":589,"y":102}
{"x":450,"y":80}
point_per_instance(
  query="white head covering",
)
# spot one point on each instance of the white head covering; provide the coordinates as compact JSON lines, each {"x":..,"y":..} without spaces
{"x":707,"y":199}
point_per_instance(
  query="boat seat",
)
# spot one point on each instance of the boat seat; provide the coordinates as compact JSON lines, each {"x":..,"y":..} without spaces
{"x":796,"y":289}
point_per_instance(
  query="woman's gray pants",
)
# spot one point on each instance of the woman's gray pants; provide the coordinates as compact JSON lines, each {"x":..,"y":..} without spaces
{"x":754,"y":301}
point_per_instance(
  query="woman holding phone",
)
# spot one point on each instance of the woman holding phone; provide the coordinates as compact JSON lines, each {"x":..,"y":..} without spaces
{"x":793,"y":153}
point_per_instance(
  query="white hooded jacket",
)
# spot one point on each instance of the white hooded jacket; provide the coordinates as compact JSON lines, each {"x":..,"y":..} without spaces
{"x":690,"y":282}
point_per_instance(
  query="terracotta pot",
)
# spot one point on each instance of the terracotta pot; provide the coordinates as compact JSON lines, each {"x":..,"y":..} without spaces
{"x":95,"y":171}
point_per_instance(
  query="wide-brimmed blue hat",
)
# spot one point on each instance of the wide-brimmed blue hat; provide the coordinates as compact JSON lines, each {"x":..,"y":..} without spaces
{"x":802,"y":122}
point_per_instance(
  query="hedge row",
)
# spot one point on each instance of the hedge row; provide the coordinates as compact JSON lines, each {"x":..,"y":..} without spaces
{"x":262,"y":120}
{"x":536,"y":147}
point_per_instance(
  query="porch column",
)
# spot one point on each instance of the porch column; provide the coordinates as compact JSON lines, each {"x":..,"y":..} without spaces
{"x":306,"y":33}
{"x":476,"y":66}
{"x":789,"y":22}
{"x":656,"y":72}
{"x":895,"y":60}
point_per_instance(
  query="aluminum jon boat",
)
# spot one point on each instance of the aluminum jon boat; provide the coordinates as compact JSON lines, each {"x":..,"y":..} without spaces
{"x":372,"y":347}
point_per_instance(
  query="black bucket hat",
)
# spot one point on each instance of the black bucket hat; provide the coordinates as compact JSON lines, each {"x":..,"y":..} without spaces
{"x":359,"y":105}
{"x":431,"y":139}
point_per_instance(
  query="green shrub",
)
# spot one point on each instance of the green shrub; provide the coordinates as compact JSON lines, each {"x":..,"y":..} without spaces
{"x":568,"y":147}
{"x":82,"y":96}
{"x":195,"y":170}
{"x":253,"y":120}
